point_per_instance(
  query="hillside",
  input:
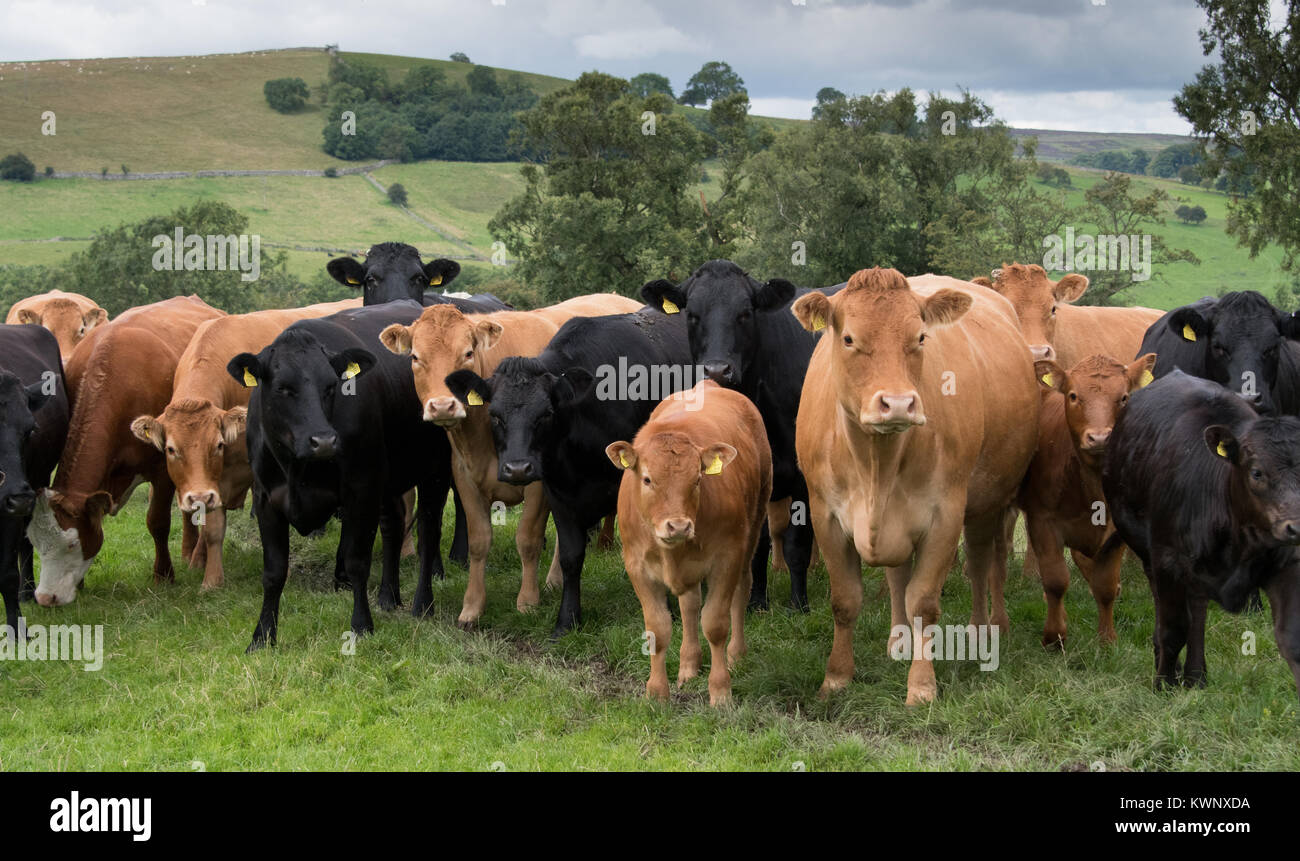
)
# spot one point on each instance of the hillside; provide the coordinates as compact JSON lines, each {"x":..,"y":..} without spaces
{"x":1061,"y":146}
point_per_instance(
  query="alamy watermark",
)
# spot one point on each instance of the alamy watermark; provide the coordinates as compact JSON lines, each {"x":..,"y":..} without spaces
{"x":947,"y":643}
{"x":81,"y":643}
{"x":1106,"y":252}
{"x":212,"y":252}
{"x":637,"y":382}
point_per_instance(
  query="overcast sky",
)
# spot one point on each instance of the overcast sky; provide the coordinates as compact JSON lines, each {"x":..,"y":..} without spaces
{"x":1098,"y":65}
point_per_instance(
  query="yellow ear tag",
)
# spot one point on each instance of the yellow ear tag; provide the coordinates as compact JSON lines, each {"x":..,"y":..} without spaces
{"x":249,"y":380}
{"x":352,"y":371}
{"x":715,"y":468}
{"x":1188,"y":334}
{"x":146,"y":435}
{"x":670,"y":308}
{"x":1047,"y":379}
{"x":473,"y":399}
{"x":354,"y":282}
{"x":622,"y":458}
{"x":1223,"y":452}
{"x":1146,"y":378}
{"x":819,"y":323}
{"x":435,"y":281}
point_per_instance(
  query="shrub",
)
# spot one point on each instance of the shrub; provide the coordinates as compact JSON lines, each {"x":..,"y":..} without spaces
{"x":17,"y":167}
{"x":331,"y":171}
{"x":286,"y":95}
{"x":397,"y":194}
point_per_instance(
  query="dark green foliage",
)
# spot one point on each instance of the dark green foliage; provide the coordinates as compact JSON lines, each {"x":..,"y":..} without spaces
{"x":713,"y":81}
{"x":648,"y":83}
{"x":17,"y":167}
{"x":286,"y":95}
{"x":397,"y":194}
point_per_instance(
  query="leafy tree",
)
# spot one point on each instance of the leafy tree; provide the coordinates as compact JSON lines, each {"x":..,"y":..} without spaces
{"x":286,"y":95}
{"x":1190,"y":214}
{"x":1049,"y":174}
{"x":397,"y":194}
{"x":49,"y":171}
{"x":1141,"y":158}
{"x":482,"y":81}
{"x":1189,"y":174}
{"x":827,"y":97}
{"x":713,"y":81}
{"x":459,"y":57}
{"x":646,"y":83}
{"x":738,"y":138}
{"x":17,"y":167}
{"x":605,"y":206}
{"x":370,"y":79}
{"x":1173,"y":158}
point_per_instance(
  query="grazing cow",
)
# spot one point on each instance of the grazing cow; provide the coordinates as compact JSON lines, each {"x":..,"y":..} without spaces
{"x":392,"y":271}
{"x":696,"y":482}
{"x":744,"y":337}
{"x":1061,"y":492}
{"x":919,"y":416}
{"x":334,"y":428}
{"x":1207,"y":493}
{"x":122,"y":370}
{"x":33,"y":427}
{"x":1239,"y":341}
{"x":70,"y":316}
{"x":201,"y":431}
{"x":552,"y":419}
{"x":444,"y":341}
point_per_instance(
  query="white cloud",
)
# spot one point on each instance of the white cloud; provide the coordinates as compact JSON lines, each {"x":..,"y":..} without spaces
{"x":795,"y":109}
{"x":637,"y":44}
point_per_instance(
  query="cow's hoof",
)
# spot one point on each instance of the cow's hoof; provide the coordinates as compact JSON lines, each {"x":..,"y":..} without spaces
{"x":206,"y":586}
{"x":1053,"y":642}
{"x":799,"y":604}
{"x":830,"y":686}
{"x":922,"y":695}
{"x":460,"y":559}
{"x":256,"y":646}
{"x":467,"y":625}
{"x":421,"y":607}
{"x":387,"y":603}
{"x":758,"y":605}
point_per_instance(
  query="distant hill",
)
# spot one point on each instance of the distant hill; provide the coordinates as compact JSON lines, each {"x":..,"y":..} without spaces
{"x":1061,"y":146}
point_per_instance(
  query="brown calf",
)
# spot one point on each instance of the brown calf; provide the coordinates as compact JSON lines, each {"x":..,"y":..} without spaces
{"x":70,"y":316}
{"x":691,"y":506}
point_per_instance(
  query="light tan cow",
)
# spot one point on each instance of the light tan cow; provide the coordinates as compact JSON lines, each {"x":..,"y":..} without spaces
{"x":691,"y":506}
{"x":68,"y":315}
{"x":444,"y":340}
{"x":201,"y":431}
{"x":918,"y":418}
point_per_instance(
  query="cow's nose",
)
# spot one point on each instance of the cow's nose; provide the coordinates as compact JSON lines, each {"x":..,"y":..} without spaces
{"x":679,"y":527}
{"x":519,"y":472}
{"x":45,"y":600}
{"x":1255,"y":399}
{"x":897,"y":407}
{"x":1043,"y":352}
{"x":1290,"y":531}
{"x":1095,"y":439}
{"x":20,"y":504}
{"x":324,"y":446}
{"x":720,"y":372}
{"x":440,"y":409}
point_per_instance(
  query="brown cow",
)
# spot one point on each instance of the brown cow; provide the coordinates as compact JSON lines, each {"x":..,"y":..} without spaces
{"x":444,"y":340}
{"x":918,"y":418}
{"x":70,"y":316}
{"x":691,"y":506}
{"x":201,"y":432}
{"x":123,"y":369}
{"x":1061,"y":495}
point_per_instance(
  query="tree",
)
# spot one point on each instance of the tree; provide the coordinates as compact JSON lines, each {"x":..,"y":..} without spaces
{"x":1141,"y":158}
{"x":1190,"y":214}
{"x":1173,"y":158}
{"x":1189,"y":174}
{"x":17,"y":167}
{"x":459,"y":57}
{"x":647,"y":83}
{"x":286,"y":95}
{"x":713,"y":81}
{"x":482,"y":81}
{"x":397,"y":194}
{"x":606,"y":206}
{"x":738,"y":138}
{"x":1246,"y":112}
{"x":827,"y":99}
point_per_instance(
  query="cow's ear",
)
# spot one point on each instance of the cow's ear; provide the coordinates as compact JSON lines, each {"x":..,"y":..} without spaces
{"x":621,"y":454}
{"x":773,"y":294}
{"x":441,"y":272}
{"x":1221,"y":443}
{"x":1287,"y":324}
{"x":37,"y":397}
{"x":469,"y":388}
{"x":98,"y":504}
{"x":1139,"y":373}
{"x":352,"y":362}
{"x":664,"y":295}
{"x":234,"y":423}
{"x":28,"y":317}
{"x":397,"y":338}
{"x":346,"y":271}
{"x":1188,"y":324}
{"x":487,"y":333}
{"x":1050,"y":376}
{"x":812,"y":310}
{"x":716,"y":457}
{"x":572,"y":386}
{"x":1070,"y":288}
{"x":983,"y":282}
{"x":245,"y":369}
{"x":148,"y":430}
{"x":945,"y":308}
{"x":94,"y":317}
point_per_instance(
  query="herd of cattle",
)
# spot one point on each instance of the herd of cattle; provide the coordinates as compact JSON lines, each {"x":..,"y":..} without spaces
{"x":878,"y":421}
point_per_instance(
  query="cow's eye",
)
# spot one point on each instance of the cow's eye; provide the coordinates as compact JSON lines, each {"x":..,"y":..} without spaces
{"x":920,"y":339}
{"x":693,"y":319}
{"x":221,"y":445}
{"x":1053,"y":314}
{"x":171,"y":451}
{"x":1074,"y":398}
{"x":848,"y":340}
{"x":415,"y":360}
{"x":646,"y":481}
{"x":1123,"y":401}
{"x":469,"y":354}
{"x":1257,"y":475}
{"x":1219,"y":350}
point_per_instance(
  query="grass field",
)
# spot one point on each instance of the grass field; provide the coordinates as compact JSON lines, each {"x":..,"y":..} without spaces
{"x":176,"y":691}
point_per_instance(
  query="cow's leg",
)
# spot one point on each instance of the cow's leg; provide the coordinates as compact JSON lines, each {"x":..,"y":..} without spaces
{"x":758,"y":567}
{"x":1103,"y":580}
{"x":340,"y":571}
{"x":1284,"y":601}
{"x":1194,"y":674}
{"x":273,"y":528}
{"x":844,"y":566}
{"x":159,"y":521}
{"x":11,"y":536}
{"x":799,"y":541}
{"x":360,"y":523}
{"x":392,"y":525}
{"x":605,"y":541}
{"x":658,"y":625}
{"x":26,"y":572}
{"x":214,"y":538}
{"x":478,"y":522}
{"x":191,"y":543}
{"x":429,"y":523}
{"x":933,"y":555}
{"x":459,"y":552}
{"x":986,"y":568}
{"x":555,"y":574}
{"x":1173,"y":616}
{"x":717,"y":625}
{"x":739,"y":598}
{"x":572,"y":537}
{"x":408,"y":511}
{"x":778,"y":521}
{"x":1046,"y":543}
{"x":433,"y":494}
{"x":529,"y":538}
{"x":690,"y":656}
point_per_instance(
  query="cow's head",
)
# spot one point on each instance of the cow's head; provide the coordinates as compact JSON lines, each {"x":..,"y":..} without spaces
{"x":877,"y":327}
{"x":1265,"y":473}
{"x":668,"y":469}
{"x":196,"y":436}
{"x":18,"y":406}
{"x":68,"y":532}
{"x":441,"y":342}
{"x":298,"y":382}
{"x":721,"y":303}
{"x":1036,"y":298}
{"x":392,"y":271}
{"x":1096,"y":391}
{"x":528,"y":406}
{"x":1239,"y":339}
{"x":66,"y":320}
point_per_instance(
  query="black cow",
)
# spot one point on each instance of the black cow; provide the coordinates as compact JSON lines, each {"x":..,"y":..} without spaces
{"x":553,"y":416}
{"x":334,"y":427}
{"x":392,"y":271}
{"x":1207,"y":493}
{"x":743,"y":334}
{"x":1239,"y":341}
{"x":33,"y":428}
